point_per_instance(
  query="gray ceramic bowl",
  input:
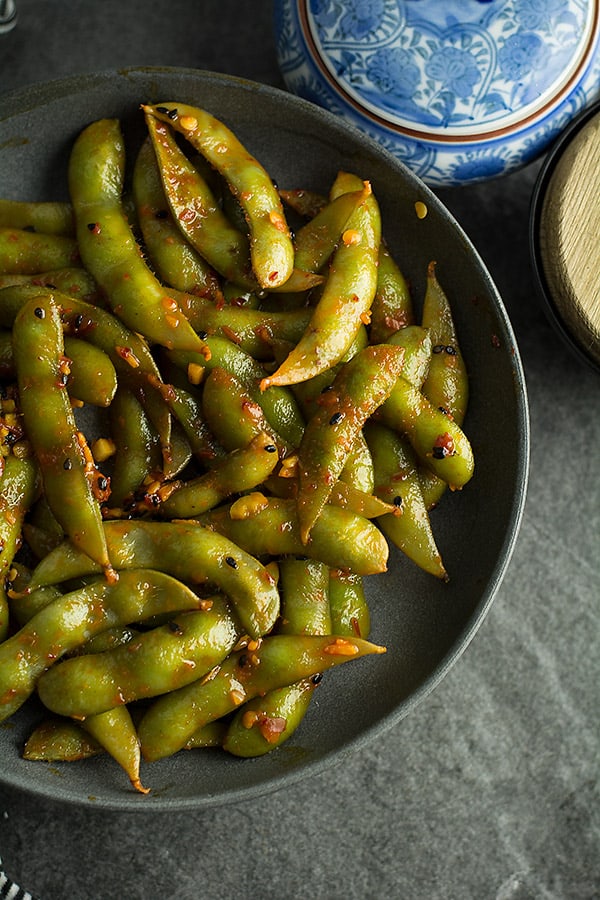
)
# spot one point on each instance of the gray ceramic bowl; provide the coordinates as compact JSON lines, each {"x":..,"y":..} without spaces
{"x":425,"y":625}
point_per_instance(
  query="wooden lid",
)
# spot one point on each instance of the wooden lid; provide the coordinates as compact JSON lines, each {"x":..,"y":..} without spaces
{"x":569,"y":237}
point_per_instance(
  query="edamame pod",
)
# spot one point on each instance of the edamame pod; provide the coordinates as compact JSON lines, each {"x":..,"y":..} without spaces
{"x":339,"y":537}
{"x":108,"y":247}
{"x":17,"y":491}
{"x":69,"y":477}
{"x":267,"y":721}
{"x":75,"y":617}
{"x":172,"y":256}
{"x":233,"y":415}
{"x":137,"y":451}
{"x":73,"y":281}
{"x":271,"y":248}
{"x":239,"y":471}
{"x":279,"y":660}
{"x":186,"y":550}
{"x":115,"y":732}
{"x":392,"y":307}
{"x":344,"y":302}
{"x":397,"y":481}
{"x":348,"y":607}
{"x":278,"y":403}
{"x":155,"y":662}
{"x":60,"y":740}
{"x":254,"y":330}
{"x":27,"y":253}
{"x":47,"y":217}
{"x":196,"y":211}
{"x":447,"y":384}
{"x":359,"y":388}
{"x":92,"y":376}
{"x":439,"y":442}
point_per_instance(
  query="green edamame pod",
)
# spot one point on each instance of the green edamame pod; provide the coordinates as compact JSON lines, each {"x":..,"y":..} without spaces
{"x":196,"y":211}
{"x":392,"y":307}
{"x":60,"y":740}
{"x":18,"y":485}
{"x":233,"y":415}
{"x":187,"y":551}
{"x":278,"y":403}
{"x":107,"y":245}
{"x":271,"y":248}
{"x":155,"y":662}
{"x":441,"y":445}
{"x":397,"y":481}
{"x":173,"y":258}
{"x":239,"y":471}
{"x":211,"y":735}
{"x":266,"y":722}
{"x":254,"y":330}
{"x":59,"y":448}
{"x":358,"y":468}
{"x":339,"y":537}
{"x":304,"y":587}
{"x":74,"y":281}
{"x":188,"y":412}
{"x":344,"y":303}
{"x":447,"y":384}
{"x":137,"y":453}
{"x":73,"y":618}
{"x":359,"y":388}
{"x":315,"y":241}
{"x":348,"y":607}
{"x":416,"y":342}
{"x":27,"y":253}
{"x":279,"y":660}
{"x":130,"y":354}
{"x":92,"y":376}
{"x":115,"y":732}
{"x":47,"y":217}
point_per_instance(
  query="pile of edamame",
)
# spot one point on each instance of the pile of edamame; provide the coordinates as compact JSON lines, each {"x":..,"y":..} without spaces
{"x":180,"y":568}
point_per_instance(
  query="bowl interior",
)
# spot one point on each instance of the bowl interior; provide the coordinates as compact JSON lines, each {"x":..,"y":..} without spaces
{"x":424,"y":624}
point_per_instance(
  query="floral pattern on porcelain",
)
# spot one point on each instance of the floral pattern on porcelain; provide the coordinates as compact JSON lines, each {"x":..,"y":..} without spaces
{"x":460,"y":90}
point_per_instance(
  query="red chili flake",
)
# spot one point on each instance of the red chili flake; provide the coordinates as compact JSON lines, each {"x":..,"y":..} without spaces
{"x":443,"y":446}
{"x":271,"y":727}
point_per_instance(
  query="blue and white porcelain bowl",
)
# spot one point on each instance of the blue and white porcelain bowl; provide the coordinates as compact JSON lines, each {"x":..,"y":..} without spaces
{"x":459,"y":90}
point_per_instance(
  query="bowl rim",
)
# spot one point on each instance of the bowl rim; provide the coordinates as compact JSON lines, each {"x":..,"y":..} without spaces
{"x":34,"y":95}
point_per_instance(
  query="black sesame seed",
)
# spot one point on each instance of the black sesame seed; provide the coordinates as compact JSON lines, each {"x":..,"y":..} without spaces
{"x":398,"y":500}
{"x":102,"y":483}
{"x":203,"y":335}
{"x":162,"y":214}
{"x":439,"y":348}
{"x":270,"y":448}
{"x":172,"y":113}
{"x":175,"y":628}
{"x":231,"y":562}
{"x":316,"y":679}
{"x":443,"y":409}
{"x":439,"y":453}
{"x":328,"y":387}
{"x":39,"y":312}
{"x":162,"y":109}
{"x":68,"y":464}
{"x":336,"y":418}
{"x":243,"y":660}
{"x":450,"y":350}
{"x":91,"y":225}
